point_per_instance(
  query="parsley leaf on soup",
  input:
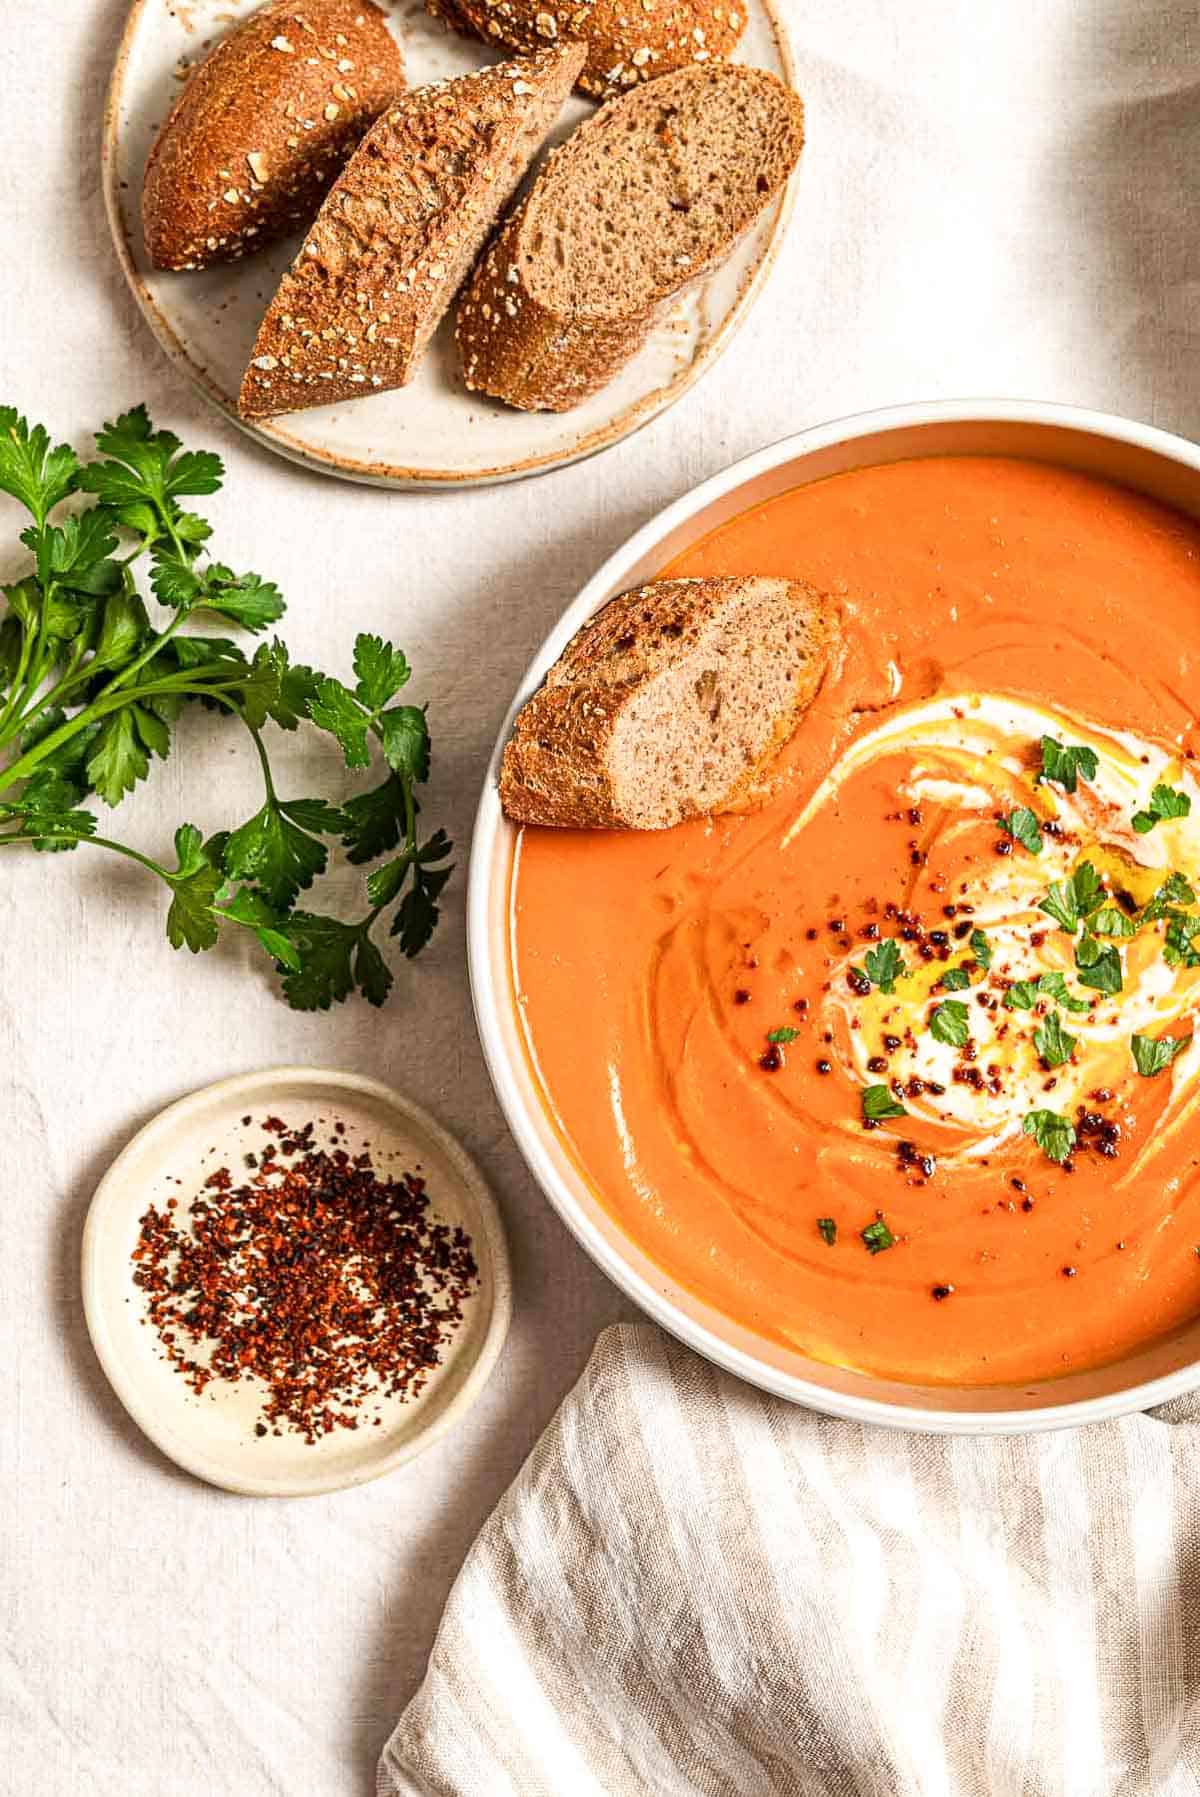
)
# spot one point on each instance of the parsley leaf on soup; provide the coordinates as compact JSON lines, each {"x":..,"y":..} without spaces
{"x":1052,"y":1132}
{"x":877,"y":1236}
{"x":1165,"y":802}
{"x":1022,"y":825}
{"x":1054,"y":985}
{"x":784,"y":1035}
{"x":1063,"y":763}
{"x":1110,"y":921}
{"x":948,"y":1022}
{"x":981,"y":948}
{"x":828,"y":1230}
{"x":885,"y":965}
{"x":1054,"y":1044}
{"x":1151,"y":1054}
{"x":1069,"y":901}
{"x":955,"y":979}
{"x":1175,"y":890}
{"x":1098,"y":967}
{"x":1179,"y":944}
{"x":879,"y":1103}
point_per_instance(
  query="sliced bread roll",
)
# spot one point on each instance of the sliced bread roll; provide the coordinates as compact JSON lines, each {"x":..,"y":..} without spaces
{"x":262,"y":128}
{"x":399,"y":232}
{"x":646,"y":196}
{"x":671,"y":703}
{"x":628,"y":41}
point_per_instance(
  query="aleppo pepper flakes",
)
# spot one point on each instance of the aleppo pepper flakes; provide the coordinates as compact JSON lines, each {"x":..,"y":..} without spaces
{"x":330,"y":1284}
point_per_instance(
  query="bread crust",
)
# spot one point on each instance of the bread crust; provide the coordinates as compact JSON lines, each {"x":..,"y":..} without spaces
{"x":262,"y":128}
{"x":399,"y":231}
{"x":557,"y":768}
{"x":514,"y":342}
{"x":628,"y":42}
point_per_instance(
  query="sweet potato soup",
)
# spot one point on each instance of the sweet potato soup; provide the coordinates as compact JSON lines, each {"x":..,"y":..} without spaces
{"x":899,"y":1070}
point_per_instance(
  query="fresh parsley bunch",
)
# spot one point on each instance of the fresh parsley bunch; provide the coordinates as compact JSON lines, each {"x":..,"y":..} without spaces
{"x":90,"y":688}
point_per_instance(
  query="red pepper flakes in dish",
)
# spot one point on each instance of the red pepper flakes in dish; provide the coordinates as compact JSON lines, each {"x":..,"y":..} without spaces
{"x":329,"y":1284}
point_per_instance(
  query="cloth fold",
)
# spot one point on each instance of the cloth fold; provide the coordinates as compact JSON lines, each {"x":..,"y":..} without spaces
{"x":695,"y":1588}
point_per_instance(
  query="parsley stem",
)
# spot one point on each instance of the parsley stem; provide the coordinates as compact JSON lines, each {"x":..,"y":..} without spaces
{"x":16,"y":691}
{"x":272,"y":797}
{"x":99,"y":842}
{"x":185,"y":685}
{"x":73,"y":676}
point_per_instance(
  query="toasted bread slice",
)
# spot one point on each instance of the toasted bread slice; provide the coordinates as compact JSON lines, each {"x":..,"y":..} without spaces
{"x":647,"y":195}
{"x":263,"y":127}
{"x":399,"y":232}
{"x":628,"y":42}
{"x":671,"y":703}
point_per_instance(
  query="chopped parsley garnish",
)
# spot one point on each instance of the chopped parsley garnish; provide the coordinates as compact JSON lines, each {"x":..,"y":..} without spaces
{"x":1175,"y":890}
{"x":885,"y":965}
{"x":828,"y":1229}
{"x":1099,"y":966}
{"x":948,"y":1023}
{"x":955,"y":979}
{"x":1054,"y":985}
{"x":1068,"y":901}
{"x":1022,"y":825}
{"x":1024,"y":994}
{"x":786,"y":1034}
{"x":1151,"y":1054}
{"x":1109,"y":921}
{"x":1179,"y":945}
{"x":878,"y":1236}
{"x":1053,"y":1042}
{"x":981,"y":948}
{"x":1054,"y":1135}
{"x":1065,"y":762}
{"x":1165,"y":802}
{"x":879,"y":1103}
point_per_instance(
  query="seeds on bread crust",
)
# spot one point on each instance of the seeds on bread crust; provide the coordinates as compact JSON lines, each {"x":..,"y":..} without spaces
{"x":399,"y":232}
{"x":263,"y":127}
{"x":629,"y":41}
{"x":672,"y":702}
{"x":646,"y":196}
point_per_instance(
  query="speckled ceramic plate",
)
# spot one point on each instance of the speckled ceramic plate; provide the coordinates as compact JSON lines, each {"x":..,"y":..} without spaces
{"x":213,"y":1434}
{"x":432,"y":433}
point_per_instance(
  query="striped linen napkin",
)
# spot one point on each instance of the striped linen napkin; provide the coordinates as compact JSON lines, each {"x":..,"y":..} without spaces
{"x":696,"y":1588}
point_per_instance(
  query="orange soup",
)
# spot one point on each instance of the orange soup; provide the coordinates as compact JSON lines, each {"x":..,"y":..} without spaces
{"x":899,"y":1069}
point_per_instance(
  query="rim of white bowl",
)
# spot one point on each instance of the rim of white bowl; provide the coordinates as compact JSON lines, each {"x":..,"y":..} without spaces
{"x":490,"y":986}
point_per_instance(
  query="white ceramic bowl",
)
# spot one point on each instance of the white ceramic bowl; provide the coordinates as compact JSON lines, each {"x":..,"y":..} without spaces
{"x":1150,"y":461}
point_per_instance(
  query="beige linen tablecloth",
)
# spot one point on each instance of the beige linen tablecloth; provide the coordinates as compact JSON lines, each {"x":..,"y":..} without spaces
{"x":998,"y":196}
{"x":696,"y":1588}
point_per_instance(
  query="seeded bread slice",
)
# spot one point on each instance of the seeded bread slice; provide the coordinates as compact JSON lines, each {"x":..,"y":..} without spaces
{"x":399,"y":232}
{"x":262,"y":128}
{"x":647,"y":195}
{"x":671,"y":703}
{"x":628,"y":41}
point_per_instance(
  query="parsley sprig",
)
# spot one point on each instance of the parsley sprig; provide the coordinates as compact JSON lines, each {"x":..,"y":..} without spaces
{"x":1165,"y":802}
{"x":91,"y":688}
{"x":1053,"y":1133}
{"x":1063,"y":763}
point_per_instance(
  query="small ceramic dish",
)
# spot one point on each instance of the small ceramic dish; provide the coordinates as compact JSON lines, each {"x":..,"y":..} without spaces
{"x":1134,"y":455}
{"x":213,"y":1434}
{"x":432,"y":433}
